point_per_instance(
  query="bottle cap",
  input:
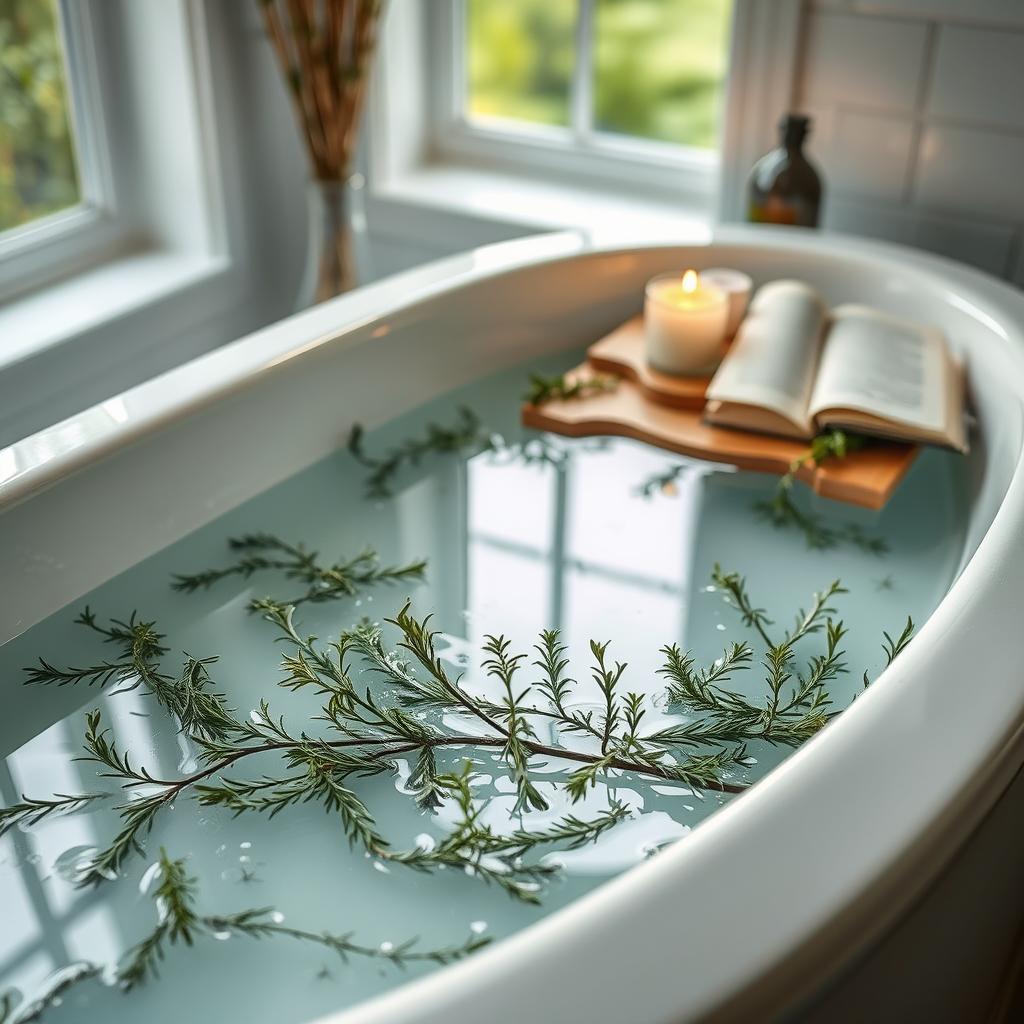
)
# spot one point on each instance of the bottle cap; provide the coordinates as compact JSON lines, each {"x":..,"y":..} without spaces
{"x":794,"y":128}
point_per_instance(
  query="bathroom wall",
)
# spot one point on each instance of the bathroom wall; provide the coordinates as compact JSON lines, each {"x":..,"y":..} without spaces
{"x":919,"y":123}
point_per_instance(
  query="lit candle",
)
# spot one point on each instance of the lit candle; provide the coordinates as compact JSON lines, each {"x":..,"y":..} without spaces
{"x":737,"y":286}
{"x":684,"y":323}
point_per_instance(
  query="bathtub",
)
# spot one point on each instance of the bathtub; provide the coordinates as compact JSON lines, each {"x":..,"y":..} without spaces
{"x":827,"y":892}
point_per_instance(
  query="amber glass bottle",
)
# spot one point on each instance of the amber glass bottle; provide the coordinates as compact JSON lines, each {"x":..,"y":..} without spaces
{"x":784,"y":187}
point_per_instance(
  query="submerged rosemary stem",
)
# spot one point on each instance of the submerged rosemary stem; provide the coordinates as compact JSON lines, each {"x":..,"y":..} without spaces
{"x":387,"y":748}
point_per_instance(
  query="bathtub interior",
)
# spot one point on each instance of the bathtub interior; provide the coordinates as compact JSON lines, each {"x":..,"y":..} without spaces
{"x":486,"y":327}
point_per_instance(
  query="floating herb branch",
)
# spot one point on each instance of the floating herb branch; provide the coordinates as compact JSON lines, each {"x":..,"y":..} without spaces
{"x":545,"y":389}
{"x":52,"y":996}
{"x":468,"y":433}
{"x":362,"y":734}
{"x":662,"y":483}
{"x":259,"y":552}
{"x":188,"y":697}
{"x":175,"y":895}
{"x":782,"y":511}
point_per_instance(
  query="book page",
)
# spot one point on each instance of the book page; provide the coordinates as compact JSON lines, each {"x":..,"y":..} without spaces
{"x":772,"y":362}
{"x":879,"y":364}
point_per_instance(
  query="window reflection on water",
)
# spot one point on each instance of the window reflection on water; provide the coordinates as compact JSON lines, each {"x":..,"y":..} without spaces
{"x":47,"y":922}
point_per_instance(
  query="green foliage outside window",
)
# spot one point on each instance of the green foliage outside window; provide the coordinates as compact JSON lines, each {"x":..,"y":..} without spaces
{"x":520,"y":59}
{"x":658,"y":65}
{"x":659,"y":68}
{"x":37,"y":162}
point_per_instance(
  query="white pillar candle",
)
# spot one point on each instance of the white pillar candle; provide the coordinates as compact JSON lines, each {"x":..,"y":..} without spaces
{"x":737,"y":286}
{"x":684,"y":324}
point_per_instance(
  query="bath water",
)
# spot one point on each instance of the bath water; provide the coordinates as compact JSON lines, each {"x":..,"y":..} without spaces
{"x":513,"y":546}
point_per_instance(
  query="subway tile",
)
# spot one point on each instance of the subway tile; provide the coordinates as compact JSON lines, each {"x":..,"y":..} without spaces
{"x":979,"y":76}
{"x":867,"y":155}
{"x":971,"y":169}
{"x":874,"y":62}
{"x":986,"y":246}
{"x":992,"y":12}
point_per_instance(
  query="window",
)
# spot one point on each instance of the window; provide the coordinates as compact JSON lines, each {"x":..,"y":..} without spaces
{"x":56,"y":193}
{"x":626,"y":90}
{"x":38,"y":172}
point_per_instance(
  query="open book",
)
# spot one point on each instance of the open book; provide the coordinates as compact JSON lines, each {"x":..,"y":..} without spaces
{"x":795,"y":370}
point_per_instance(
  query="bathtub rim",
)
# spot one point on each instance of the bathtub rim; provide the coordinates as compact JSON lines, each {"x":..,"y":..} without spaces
{"x":996,"y":551}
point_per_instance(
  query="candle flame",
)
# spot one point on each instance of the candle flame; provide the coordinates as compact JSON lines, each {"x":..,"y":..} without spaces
{"x":690,"y":281}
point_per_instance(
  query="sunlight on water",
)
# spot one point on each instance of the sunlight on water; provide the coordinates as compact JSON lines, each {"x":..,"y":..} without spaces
{"x":512,"y":549}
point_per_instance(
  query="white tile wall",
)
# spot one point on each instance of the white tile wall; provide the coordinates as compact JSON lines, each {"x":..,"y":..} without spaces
{"x":973,"y":170}
{"x":993,"y":12}
{"x":919,"y":123}
{"x":877,"y":59}
{"x":979,"y":76}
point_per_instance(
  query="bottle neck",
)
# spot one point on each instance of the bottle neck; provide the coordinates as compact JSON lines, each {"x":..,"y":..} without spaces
{"x":792,"y":144}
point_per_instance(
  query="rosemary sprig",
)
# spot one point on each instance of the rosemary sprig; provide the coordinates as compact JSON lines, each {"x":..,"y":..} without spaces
{"x":52,"y":996}
{"x":29,"y":812}
{"x":783,"y":512}
{"x":468,"y":433}
{"x":188,"y":696}
{"x":545,"y":389}
{"x":140,"y":648}
{"x":662,"y":483}
{"x":363,"y":733}
{"x":258,"y":552}
{"x":176,"y":898}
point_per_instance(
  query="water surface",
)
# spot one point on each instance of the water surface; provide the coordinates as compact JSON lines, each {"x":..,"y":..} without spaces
{"x":512,"y":548}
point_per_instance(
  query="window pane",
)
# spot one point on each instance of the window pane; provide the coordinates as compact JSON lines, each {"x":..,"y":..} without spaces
{"x":521,"y":59}
{"x":37,"y":162}
{"x":659,"y":68}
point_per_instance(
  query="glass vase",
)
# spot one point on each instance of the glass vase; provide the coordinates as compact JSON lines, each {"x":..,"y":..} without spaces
{"x":337,"y":243}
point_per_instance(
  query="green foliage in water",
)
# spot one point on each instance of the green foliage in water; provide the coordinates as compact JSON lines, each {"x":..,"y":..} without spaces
{"x":421,"y":712}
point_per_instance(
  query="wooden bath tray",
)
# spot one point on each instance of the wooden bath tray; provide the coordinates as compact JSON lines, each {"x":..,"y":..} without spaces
{"x":667,"y":412}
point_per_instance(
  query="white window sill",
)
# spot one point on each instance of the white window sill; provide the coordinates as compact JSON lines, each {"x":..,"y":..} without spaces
{"x":62,"y":312}
{"x":422,"y":202}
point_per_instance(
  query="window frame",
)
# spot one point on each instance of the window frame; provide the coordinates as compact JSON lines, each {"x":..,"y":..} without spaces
{"x":55,"y":245}
{"x":578,"y":153}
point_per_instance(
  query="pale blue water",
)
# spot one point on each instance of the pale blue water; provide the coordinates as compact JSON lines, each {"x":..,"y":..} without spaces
{"x":511,"y":549}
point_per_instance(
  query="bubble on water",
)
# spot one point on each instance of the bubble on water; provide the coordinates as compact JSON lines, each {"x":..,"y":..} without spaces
{"x":221,"y":848}
{"x":720,"y":627}
{"x":369,"y":598}
{"x":689,"y":807}
{"x":425,"y":842}
{"x":223,"y":936}
{"x":710,"y":589}
{"x":245,"y":846}
{"x":359,"y":604}
{"x":478,"y":927}
{"x":188,"y":763}
{"x":149,"y":877}
{"x":277,"y":917}
{"x":470,"y":870}
{"x":387,"y":947}
{"x":72,"y":864}
{"x":244,"y":859}
{"x":381,"y":867}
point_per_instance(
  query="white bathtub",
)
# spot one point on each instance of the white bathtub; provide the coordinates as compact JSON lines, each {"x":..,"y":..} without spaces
{"x":828,"y":891}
